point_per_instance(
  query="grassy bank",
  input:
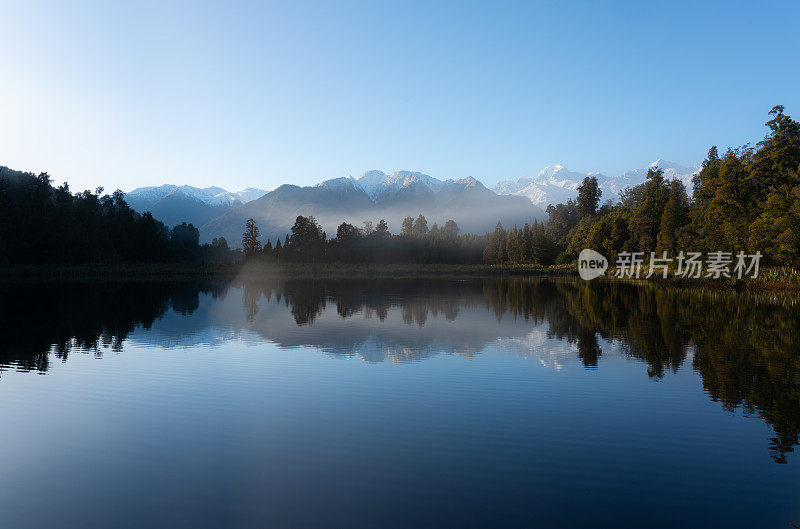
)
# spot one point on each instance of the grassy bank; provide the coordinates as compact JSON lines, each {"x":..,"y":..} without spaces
{"x":777,"y":279}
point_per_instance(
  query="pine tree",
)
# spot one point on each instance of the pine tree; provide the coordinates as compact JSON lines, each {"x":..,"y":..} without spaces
{"x":527,"y":240}
{"x":407,"y":228}
{"x":494,"y":251}
{"x":646,"y":217}
{"x":250,"y":243}
{"x":420,"y":228}
{"x":588,"y":197}
{"x":512,"y":245}
{"x":382,"y":230}
{"x":673,"y":218}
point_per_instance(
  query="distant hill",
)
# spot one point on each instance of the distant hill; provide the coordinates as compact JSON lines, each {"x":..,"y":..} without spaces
{"x":373,"y":196}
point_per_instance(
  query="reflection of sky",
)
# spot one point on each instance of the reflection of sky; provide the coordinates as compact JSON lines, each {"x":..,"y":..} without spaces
{"x":361,"y":334}
{"x":211,"y":419}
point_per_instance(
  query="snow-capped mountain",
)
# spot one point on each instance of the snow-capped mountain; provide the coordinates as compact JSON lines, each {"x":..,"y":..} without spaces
{"x":173,"y":204}
{"x":248,"y":195}
{"x":671,"y":170}
{"x":377,"y":195}
{"x":212,"y":196}
{"x":555,"y":184}
{"x":378,"y":185}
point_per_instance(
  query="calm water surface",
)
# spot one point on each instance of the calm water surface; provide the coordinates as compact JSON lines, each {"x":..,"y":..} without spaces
{"x":405,"y":403}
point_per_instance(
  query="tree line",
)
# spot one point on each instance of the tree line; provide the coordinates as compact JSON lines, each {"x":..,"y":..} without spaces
{"x":747,"y":199}
{"x":372,"y":243}
{"x":40,"y":224}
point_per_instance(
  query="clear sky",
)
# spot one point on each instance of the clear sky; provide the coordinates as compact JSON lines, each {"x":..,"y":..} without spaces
{"x":128,"y":94}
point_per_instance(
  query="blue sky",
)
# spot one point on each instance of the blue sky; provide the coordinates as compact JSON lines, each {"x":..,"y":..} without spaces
{"x":127,"y":94}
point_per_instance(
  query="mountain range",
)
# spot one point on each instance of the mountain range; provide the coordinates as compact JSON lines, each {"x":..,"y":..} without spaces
{"x":173,"y":204}
{"x":377,"y":195}
{"x":372,"y":196}
{"x":556,"y":184}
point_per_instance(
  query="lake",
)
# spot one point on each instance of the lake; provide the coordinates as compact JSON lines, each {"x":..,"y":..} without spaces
{"x":511,"y":402}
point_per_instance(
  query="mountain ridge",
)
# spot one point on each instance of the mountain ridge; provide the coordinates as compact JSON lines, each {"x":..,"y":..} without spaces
{"x":375,"y":194}
{"x":173,"y":204}
{"x":556,"y":184}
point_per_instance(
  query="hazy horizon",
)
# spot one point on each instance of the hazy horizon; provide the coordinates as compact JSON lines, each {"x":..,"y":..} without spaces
{"x":127,"y":96}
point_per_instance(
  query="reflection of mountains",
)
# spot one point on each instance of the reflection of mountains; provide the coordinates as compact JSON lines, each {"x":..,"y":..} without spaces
{"x":376,"y":320}
{"x":745,"y":348}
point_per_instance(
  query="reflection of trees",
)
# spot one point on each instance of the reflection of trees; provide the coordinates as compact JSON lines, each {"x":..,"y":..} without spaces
{"x":745,"y":348}
{"x":417,"y":298}
{"x":642,"y":318}
{"x":61,"y":318}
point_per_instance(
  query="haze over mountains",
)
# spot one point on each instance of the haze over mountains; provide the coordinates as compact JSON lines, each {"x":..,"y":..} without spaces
{"x":173,"y":204}
{"x":373,"y":196}
{"x":376,"y":195}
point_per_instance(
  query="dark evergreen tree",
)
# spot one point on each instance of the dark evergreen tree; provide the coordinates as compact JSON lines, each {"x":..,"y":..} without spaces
{"x":673,"y":218}
{"x":250,"y":243}
{"x":588,"y":197}
{"x":420,"y":228}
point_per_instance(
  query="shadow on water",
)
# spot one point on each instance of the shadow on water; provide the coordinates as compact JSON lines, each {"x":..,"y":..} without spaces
{"x":745,"y":348}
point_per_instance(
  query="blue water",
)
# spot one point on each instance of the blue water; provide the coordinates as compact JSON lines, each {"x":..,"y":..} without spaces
{"x":426,"y":403}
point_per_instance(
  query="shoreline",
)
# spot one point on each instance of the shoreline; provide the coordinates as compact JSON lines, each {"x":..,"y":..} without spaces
{"x":770,"y":279}
{"x":173,"y":271}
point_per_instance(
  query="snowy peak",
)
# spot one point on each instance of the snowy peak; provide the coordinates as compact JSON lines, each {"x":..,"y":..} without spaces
{"x":371,"y":182}
{"x":671,"y":170}
{"x":550,"y":171}
{"x":342,"y":185}
{"x":556,"y":184}
{"x":248,"y":195}
{"x":211,"y":196}
{"x":377,"y":183}
{"x":380,"y":186}
{"x":467,"y":183}
{"x":405,"y":179}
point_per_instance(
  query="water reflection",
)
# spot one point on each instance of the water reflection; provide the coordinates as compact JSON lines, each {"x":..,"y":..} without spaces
{"x":746,"y":349}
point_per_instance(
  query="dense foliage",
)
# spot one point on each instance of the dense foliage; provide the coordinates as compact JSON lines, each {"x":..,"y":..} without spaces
{"x":43,"y":224}
{"x":747,"y":200}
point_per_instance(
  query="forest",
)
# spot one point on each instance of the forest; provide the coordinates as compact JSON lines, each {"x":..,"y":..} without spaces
{"x":745,"y":199}
{"x":417,"y":243}
{"x":42,"y":224}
